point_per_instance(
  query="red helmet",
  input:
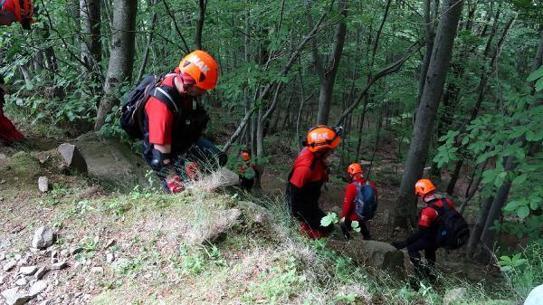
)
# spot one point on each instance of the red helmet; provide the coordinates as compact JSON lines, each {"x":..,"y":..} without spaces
{"x":354,"y":169}
{"x":322,"y":138}
{"x":245,"y":156}
{"x":423,"y":187}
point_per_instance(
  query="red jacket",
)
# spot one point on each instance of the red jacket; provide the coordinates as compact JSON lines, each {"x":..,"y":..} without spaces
{"x":428,"y":214}
{"x":348,"y":210}
{"x":308,"y":169}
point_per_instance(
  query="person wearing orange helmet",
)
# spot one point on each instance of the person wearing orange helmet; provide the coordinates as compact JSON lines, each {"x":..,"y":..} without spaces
{"x":425,"y":238}
{"x":308,"y":174}
{"x":16,"y":11}
{"x":353,"y":193}
{"x":247,"y":170}
{"x":175,"y":120}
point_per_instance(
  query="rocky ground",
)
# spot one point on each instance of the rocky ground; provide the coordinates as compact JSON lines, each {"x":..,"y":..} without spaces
{"x":76,"y":230}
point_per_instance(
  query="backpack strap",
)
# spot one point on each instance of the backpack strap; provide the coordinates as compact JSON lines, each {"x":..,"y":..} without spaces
{"x":162,"y":94}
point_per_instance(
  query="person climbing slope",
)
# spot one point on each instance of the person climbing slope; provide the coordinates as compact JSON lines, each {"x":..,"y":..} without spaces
{"x":359,"y":203}
{"x":308,"y":174}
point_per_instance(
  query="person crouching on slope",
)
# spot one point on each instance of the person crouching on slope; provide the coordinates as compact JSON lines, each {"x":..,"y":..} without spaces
{"x":308,"y":174}
{"x":175,"y":120}
{"x":426,"y":238}
{"x":353,"y":191}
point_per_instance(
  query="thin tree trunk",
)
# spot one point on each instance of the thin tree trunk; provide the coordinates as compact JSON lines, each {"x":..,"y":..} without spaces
{"x":200,"y":24}
{"x":427,"y":110}
{"x":149,"y":41}
{"x":91,"y":46}
{"x":122,"y":55}
{"x":328,"y":78}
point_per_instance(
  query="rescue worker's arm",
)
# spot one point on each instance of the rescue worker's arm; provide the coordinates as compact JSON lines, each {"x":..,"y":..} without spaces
{"x":159,"y":120}
{"x":427,"y":216}
{"x":348,"y":201}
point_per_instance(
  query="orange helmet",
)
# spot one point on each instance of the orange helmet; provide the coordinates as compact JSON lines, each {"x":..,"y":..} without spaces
{"x":354,"y":169}
{"x":202,"y":67}
{"x":322,"y":138}
{"x":245,"y":156}
{"x":424,"y":187}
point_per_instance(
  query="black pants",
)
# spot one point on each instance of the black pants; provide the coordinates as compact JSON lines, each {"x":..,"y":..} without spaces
{"x":246,"y":184}
{"x":426,"y":243}
{"x":346,"y":227}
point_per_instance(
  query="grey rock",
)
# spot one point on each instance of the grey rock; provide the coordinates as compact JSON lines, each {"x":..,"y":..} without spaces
{"x":454,"y":296}
{"x":110,"y":258}
{"x":14,"y":297}
{"x":73,"y":158}
{"x":110,"y":243}
{"x":64,"y":253}
{"x":2,"y":256}
{"x":29,"y":270}
{"x":257,"y":214}
{"x":40,"y":273}
{"x":43,"y":184}
{"x":21,"y":282}
{"x":374,"y":254}
{"x":2,"y":279}
{"x":46,"y":302}
{"x":17,"y":257}
{"x":218,"y":226}
{"x":59,"y":265}
{"x":37,"y":288}
{"x":9,"y":265}
{"x":43,"y":238}
{"x":127,"y":169}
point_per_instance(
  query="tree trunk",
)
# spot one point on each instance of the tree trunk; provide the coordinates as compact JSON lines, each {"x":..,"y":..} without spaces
{"x":427,"y":110}
{"x":328,"y":78}
{"x":91,"y":46}
{"x":121,"y":60}
{"x":149,"y":41}
{"x":200,"y":24}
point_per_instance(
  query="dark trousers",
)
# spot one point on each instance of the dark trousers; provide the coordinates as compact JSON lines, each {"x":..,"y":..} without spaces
{"x":246,"y":184}
{"x":346,"y":227}
{"x":427,"y":244}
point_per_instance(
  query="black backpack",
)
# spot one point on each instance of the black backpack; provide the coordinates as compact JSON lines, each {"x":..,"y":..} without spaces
{"x":133,"y":110}
{"x":452,"y":228}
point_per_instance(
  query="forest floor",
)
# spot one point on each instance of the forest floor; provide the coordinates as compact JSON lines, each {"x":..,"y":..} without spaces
{"x":199,"y":247}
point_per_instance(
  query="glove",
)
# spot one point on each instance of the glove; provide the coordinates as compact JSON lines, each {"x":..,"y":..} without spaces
{"x":399,"y":244}
{"x":175,"y":185}
{"x":192,"y":170}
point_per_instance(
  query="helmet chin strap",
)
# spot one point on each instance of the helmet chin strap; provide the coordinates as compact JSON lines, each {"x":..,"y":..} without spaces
{"x":429,"y":197}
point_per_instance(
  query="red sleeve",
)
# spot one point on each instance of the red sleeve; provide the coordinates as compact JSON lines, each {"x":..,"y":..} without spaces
{"x":348,"y":200}
{"x":300,"y":176}
{"x":427,"y":217}
{"x":159,"y":120}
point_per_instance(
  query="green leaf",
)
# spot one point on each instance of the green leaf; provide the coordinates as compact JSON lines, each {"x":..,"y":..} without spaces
{"x":537,"y":74}
{"x":523,"y":212}
{"x":355,"y":226}
{"x":330,"y":218}
{"x":520,"y":179}
{"x":539,"y":84}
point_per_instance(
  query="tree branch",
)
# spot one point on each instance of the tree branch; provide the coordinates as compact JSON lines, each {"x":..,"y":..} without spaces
{"x":391,"y":68}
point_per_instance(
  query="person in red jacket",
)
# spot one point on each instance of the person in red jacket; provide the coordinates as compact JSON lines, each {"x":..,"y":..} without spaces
{"x":16,"y":11}
{"x":12,"y":11}
{"x":309,"y":173}
{"x":426,"y":236}
{"x":175,"y":120}
{"x":348,"y":213}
